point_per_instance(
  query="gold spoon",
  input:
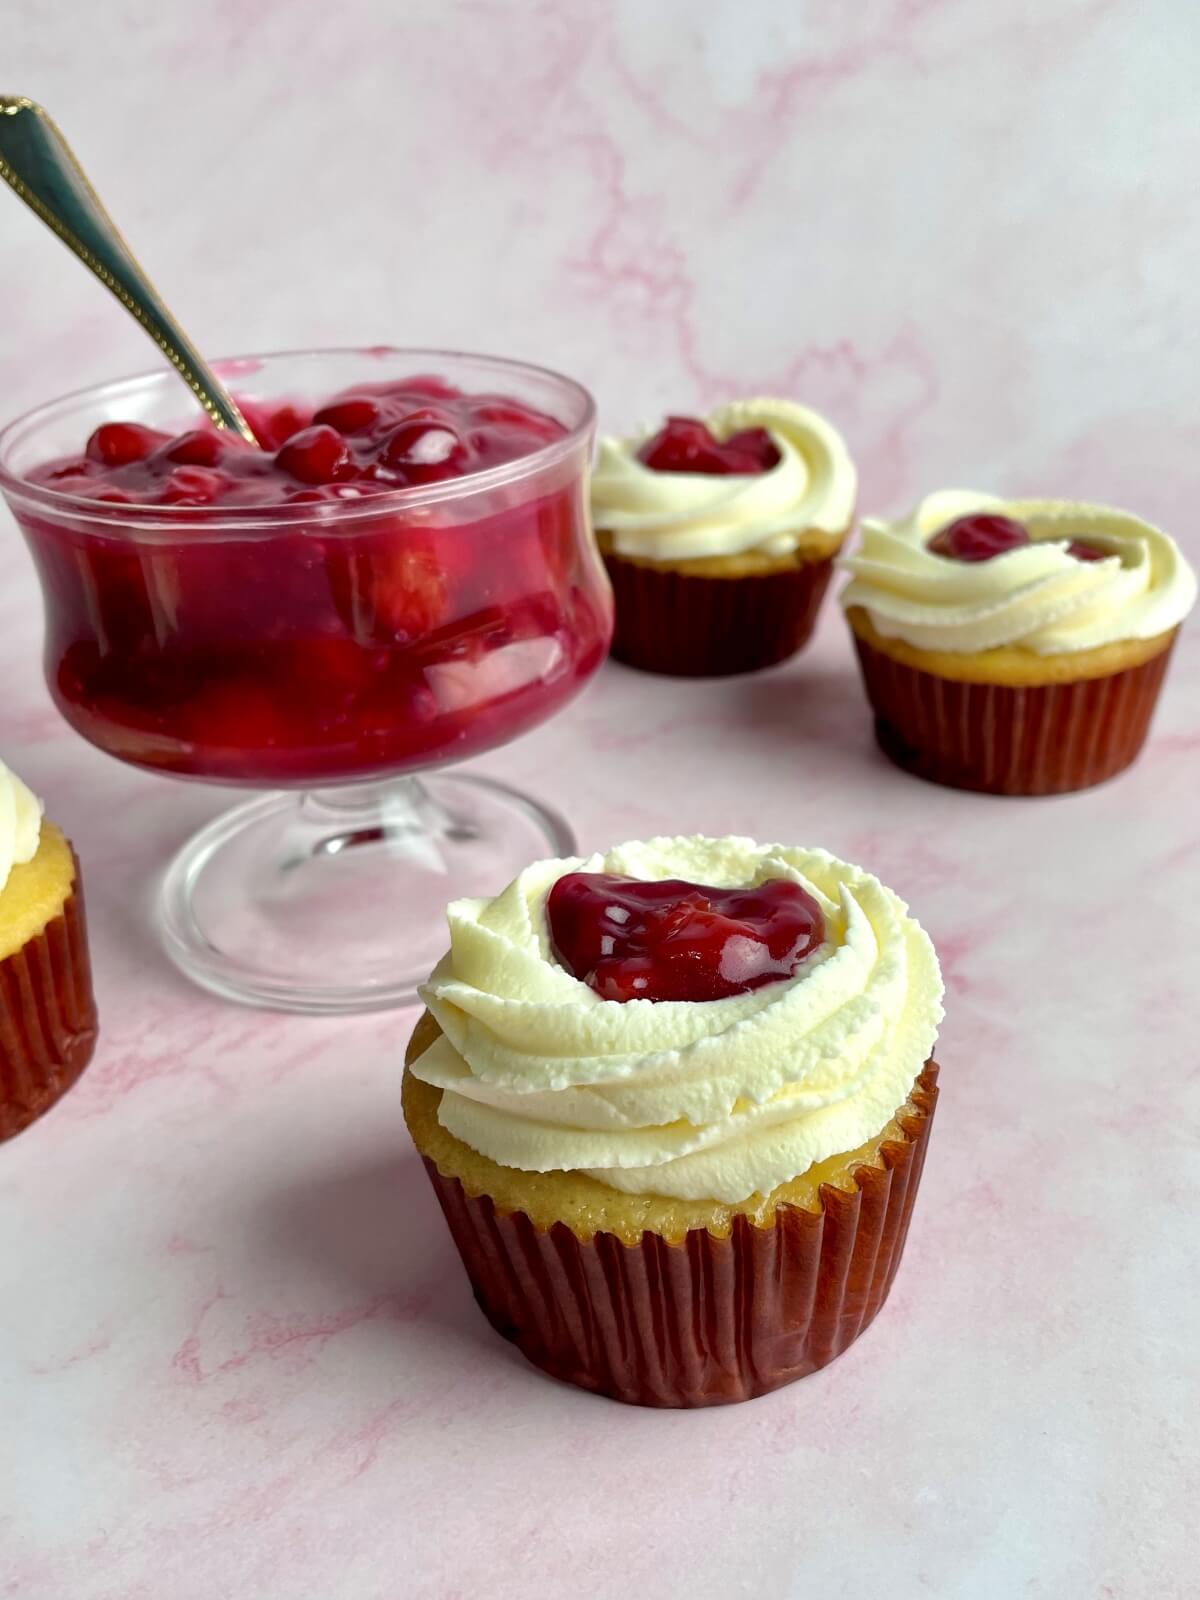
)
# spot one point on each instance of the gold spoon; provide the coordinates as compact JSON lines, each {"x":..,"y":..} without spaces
{"x":37,"y":162}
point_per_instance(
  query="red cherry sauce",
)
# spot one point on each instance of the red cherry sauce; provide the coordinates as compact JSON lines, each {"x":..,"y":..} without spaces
{"x":324,"y":650}
{"x":983,"y":535}
{"x":685,"y":444}
{"x":979,"y":537}
{"x":673,"y":940}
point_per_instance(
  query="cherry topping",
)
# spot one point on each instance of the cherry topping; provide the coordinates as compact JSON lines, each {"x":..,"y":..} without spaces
{"x":193,"y":486}
{"x":200,"y":447}
{"x":353,"y":415}
{"x":980,"y":536}
{"x":1082,"y":551}
{"x":379,"y":437}
{"x":686,"y":445}
{"x":425,"y":449}
{"x":673,"y":940}
{"x":116,"y":444}
{"x":314,"y":455}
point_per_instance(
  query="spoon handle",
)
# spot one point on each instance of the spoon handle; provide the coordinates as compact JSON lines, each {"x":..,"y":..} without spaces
{"x":37,"y":162}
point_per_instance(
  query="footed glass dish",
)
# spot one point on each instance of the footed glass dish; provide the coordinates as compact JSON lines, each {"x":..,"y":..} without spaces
{"x":338,"y":626}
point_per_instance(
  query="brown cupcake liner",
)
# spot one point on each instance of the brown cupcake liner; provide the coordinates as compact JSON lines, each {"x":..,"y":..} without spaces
{"x":707,"y":1320}
{"x":1000,"y":739}
{"x":48,"y":1023}
{"x":671,"y":622}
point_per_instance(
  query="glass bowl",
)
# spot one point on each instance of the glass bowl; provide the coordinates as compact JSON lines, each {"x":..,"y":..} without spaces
{"x":329,"y":651}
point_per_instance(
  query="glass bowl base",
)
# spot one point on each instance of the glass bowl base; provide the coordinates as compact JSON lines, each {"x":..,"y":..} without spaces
{"x":333,"y":901}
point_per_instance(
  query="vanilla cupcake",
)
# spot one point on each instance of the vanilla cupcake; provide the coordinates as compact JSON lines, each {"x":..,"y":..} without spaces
{"x":674,"y":1102}
{"x":47,"y":1010}
{"x":719,"y":535}
{"x":1014,"y":646}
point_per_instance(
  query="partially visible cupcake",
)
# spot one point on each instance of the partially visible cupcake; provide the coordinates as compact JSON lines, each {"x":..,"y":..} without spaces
{"x":1014,"y":646}
{"x":47,"y":1010}
{"x":674,"y":1102}
{"x":719,"y":535}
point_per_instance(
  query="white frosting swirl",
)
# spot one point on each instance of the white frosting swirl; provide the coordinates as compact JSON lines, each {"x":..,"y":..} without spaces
{"x":1035,"y":596}
{"x":680,"y":516}
{"x":20,"y":823}
{"x":716,"y":1100}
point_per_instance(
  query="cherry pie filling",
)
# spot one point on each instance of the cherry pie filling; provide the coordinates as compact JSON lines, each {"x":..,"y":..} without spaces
{"x":332,"y":647}
{"x":685,"y":444}
{"x":984,"y":535}
{"x":673,"y":940}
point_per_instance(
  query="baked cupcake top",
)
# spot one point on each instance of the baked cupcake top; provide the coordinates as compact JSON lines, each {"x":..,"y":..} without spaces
{"x":967,"y":572}
{"x":20,"y":824}
{"x":828,"y":1000}
{"x":804,"y":485}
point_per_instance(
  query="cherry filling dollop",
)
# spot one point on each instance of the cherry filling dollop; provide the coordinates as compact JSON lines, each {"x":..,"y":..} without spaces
{"x":673,"y":940}
{"x":983,"y":535}
{"x":979,"y":537}
{"x":685,"y":444}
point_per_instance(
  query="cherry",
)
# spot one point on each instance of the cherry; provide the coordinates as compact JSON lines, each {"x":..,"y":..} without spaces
{"x":980,"y":536}
{"x":756,"y":444}
{"x":674,"y":940}
{"x":355,"y":414}
{"x":200,"y":447}
{"x":117,"y":444}
{"x":426,"y":450}
{"x":391,"y":588}
{"x":314,"y":455}
{"x":1082,"y":551}
{"x":275,"y":425}
{"x":685,"y":444}
{"x":192,"y":486}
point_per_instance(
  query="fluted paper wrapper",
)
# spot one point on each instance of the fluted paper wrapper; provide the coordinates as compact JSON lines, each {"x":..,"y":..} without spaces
{"x":999,"y":739}
{"x":707,"y":1320}
{"x":670,"y":622}
{"x":48,"y":1022}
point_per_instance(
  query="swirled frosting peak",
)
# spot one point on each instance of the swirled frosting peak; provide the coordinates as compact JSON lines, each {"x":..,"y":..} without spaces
{"x":20,"y":823}
{"x":1040,"y":596}
{"x":717,"y":1099}
{"x":681,"y":516}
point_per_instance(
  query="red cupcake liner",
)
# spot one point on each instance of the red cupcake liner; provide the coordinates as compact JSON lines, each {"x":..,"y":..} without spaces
{"x":705,"y":1321}
{"x":48,"y":1023}
{"x":687,"y":627}
{"x":998,"y":739}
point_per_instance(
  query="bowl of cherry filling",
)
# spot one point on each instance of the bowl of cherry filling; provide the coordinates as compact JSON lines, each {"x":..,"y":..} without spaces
{"x":403,"y":576}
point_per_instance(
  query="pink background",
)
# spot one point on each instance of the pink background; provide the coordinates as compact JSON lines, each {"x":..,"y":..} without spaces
{"x":236,"y":1351}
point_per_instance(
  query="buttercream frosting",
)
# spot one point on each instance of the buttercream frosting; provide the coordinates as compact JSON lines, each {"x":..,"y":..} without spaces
{"x":716,"y":1100}
{"x":20,"y":823}
{"x":666,"y":516}
{"x":1036,"y":596}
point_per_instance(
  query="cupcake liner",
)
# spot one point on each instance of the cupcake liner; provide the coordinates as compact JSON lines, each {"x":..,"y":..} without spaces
{"x":48,"y":1022}
{"x":707,"y":1320}
{"x":690,"y":627}
{"x":1000,"y":739}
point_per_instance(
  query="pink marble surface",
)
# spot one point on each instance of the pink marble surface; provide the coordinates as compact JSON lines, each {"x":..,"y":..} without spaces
{"x":237,"y":1355}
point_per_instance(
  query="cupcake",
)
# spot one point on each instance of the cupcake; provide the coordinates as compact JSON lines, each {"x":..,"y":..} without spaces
{"x":47,"y":1010}
{"x":1014,"y":646}
{"x":674,"y":1103}
{"x":719,"y":536}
